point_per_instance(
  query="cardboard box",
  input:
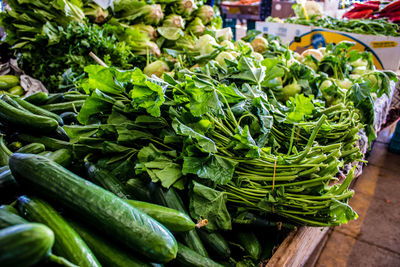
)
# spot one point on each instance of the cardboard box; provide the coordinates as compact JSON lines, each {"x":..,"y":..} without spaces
{"x":385,"y":49}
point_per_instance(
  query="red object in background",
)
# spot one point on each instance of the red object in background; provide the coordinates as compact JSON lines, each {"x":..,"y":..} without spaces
{"x":370,"y":9}
{"x":363,"y":14}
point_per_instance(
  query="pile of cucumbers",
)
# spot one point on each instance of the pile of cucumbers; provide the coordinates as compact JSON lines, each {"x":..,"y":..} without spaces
{"x":54,"y":201}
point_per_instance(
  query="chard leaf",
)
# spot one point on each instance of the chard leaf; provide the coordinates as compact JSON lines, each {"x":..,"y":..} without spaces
{"x":248,"y":72}
{"x":272,"y":71}
{"x":76,"y":132}
{"x":302,"y":106}
{"x":210,"y":204}
{"x":97,"y":103}
{"x":218,"y":169}
{"x":149,"y":96}
{"x":205,"y":143}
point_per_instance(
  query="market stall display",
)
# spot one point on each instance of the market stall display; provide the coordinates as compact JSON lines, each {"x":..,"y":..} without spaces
{"x":190,"y":156}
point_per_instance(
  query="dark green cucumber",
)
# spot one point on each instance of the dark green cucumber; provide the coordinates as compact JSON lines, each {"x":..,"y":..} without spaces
{"x":69,"y":117}
{"x":100,"y":207}
{"x":9,"y":208}
{"x":216,"y":242}
{"x":74,"y":97}
{"x":174,"y":220}
{"x":106,"y":180}
{"x":4,"y":157}
{"x":170,"y":198}
{"x":250,"y":243}
{"x":48,"y":142}
{"x":25,"y":120}
{"x":25,"y":244}
{"x":34,"y":148}
{"x":68,"y":243}
{"x":15,"y":146}
{"x":12,"y":102}
{"x":64,"y":107}
{"x":61,"y":156}
{"x":190,"y":258}
{"x":55,"y":98}
{"x":8,"y":218}
{"x":137,"y":188}
{"x":38,"y":98}
{"x":8,"y":185}
{"x":60,"y":134}
{"x":38,"y":110}
{"x":108,"y":253}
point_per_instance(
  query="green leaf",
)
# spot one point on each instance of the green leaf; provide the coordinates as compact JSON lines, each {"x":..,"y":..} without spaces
{"x":213,"y":167}
{"x":76,"y":132}
{"x":248,"y":72}
{"x":97,"y":103}
{"x":170,"y":33}
{"x":210,"y":204}
{"x":302,"y":106}
{"x":205,"y":143}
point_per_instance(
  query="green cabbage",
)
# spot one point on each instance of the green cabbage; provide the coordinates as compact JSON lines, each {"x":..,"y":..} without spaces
{"x":205,"y":13}
{"x":174,"y":20}
{"x":196,"y":27}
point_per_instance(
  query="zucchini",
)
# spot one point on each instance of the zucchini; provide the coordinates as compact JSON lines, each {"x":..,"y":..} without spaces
{"x":67,"y":243}
{"x":103,"y":209}
{"x":108,"y":253}
{"x":25,"y":244}
{"x":216,"y":242}
{"x":61,"y":156}
{"x":106,"y":180}
{"x":170,"y":198}
{"x":174,"y":220}
{"x":137,"y":189}
{"x":64,"y":107}
{"x":188,"y":257}
{"x":37,"y":98}
{"x":250,"y":243}
{"x":25,"y":120}
{"x":34,"y":148}
{"x":8,"y":218}
{"x":38,"y":110}
{"x":48,"y":142}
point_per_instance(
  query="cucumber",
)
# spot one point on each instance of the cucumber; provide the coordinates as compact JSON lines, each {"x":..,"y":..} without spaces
{"x":103,"y":209}
{"x":37,"y":98}
{"x":106,"y":180}
{"x":170,"y":198}
{"x":4,"y":157}
{"x":48,"y":142}
{"x":69,"y":117}
{"x":67,"y":243}
{"x":60,"y":134}
{"x":64,"y":107}
{"x":25,"y":120}
{"x":25,"y":244}
{"x":14,"y":146}
{"x":250,"y":243}
{"x":34,"y":148}
{"x":188,"y":257}
{"x":137,"y":188}
{"x":8,"y":218}
{"x":74,"y":97}
{"x":61,"y":156}
{"x":216,"y":242}
{"x":12,"y":102}
{"x":7,"y":182}
{"x":55,"y":98}
{"x":174,"y":220}
{"x":108,"y":253}
{"x":38,"y":110}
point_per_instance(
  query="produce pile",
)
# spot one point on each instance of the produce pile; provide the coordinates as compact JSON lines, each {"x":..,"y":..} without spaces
{"x":206,"y":154}
{"x":193,"y":166}
{"x":375,"y":10}
{"x":130,"y":35}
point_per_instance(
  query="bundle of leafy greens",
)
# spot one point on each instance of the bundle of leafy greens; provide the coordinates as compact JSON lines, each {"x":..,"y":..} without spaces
{"x":58,"y":50}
